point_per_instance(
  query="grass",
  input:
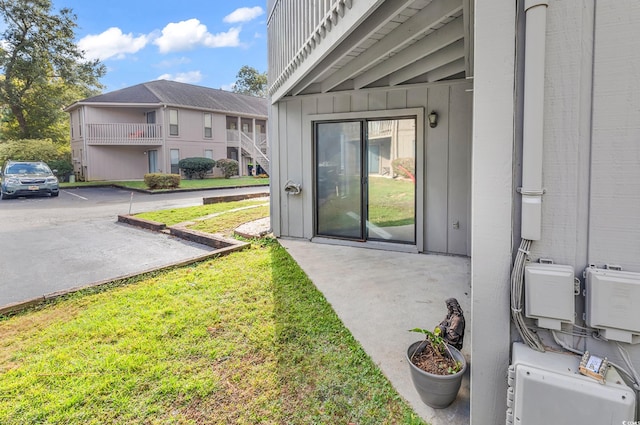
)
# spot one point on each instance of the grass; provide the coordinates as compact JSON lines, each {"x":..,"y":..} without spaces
{"x":179,"y":215}
{"x":184,"y":184}
{"x":241,"y":339}
{"x":227,"y":222}
{"x":391,"y":203}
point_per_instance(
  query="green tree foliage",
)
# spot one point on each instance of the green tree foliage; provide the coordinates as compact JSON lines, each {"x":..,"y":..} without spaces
{"x":31,"y":150}
{"x":250,"y":81}
{"x":42,"y":68}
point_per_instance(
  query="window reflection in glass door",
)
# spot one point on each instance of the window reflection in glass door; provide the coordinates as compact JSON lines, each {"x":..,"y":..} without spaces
{"x":339,"y":179}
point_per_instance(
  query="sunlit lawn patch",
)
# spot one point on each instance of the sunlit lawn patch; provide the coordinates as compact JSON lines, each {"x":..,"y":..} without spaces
{"x":241,"y":339}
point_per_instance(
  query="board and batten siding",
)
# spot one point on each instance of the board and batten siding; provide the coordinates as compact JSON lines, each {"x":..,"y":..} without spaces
{"x":444,"y":157}
{"x":591,"y":172}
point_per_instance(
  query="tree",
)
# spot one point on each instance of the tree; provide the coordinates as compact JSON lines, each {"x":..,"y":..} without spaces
{"x":250,"y":81}
{"x":40,"y":61}
{"x":30,"y":150}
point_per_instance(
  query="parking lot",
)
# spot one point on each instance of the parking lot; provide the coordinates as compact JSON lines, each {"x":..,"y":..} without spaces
{"x":53,"y":244}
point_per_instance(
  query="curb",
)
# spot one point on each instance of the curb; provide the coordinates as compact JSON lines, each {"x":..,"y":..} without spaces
{"x":231,"y":198}
{"x":33,"y":302}
{"x":156,"y":192}
{"x":223,"y":246}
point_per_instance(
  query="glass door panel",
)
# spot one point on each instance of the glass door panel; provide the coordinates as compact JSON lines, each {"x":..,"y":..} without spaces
{"x":391,"y":195}
{"x":339,"y":180}
{"x":153,"y":161}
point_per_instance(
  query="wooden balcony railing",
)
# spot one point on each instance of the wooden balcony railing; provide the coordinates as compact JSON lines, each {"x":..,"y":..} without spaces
{"x":124,"y":134}
{"x":294,"y":29}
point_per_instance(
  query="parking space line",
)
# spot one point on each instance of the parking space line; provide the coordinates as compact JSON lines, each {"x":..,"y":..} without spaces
{"x":78,"y":196}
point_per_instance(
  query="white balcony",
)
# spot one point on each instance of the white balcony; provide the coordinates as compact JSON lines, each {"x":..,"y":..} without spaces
{"x":320,"y":46}
{"x":124,"y":134}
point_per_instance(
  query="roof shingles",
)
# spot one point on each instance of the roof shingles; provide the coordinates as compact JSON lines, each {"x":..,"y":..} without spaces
{"x":185,"y":95}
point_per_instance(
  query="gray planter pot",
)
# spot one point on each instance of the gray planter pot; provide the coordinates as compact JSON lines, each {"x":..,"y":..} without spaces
{"x":437,"y":391}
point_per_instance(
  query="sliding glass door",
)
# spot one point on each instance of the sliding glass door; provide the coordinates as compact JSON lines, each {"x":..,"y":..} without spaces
{"x":365,"y":179}
{"x":339,"y":179}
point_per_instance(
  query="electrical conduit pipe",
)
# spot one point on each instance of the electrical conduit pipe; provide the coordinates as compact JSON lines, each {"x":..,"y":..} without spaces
{"x":533,"y":118}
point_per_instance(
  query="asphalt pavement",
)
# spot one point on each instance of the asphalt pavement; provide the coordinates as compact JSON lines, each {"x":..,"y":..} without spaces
{"x":54,"y":244}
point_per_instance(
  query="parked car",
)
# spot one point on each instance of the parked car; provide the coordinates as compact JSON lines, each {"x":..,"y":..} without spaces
{"x":25,"y":178}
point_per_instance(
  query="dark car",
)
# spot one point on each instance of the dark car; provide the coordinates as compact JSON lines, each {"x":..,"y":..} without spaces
{"x":25,"y":178}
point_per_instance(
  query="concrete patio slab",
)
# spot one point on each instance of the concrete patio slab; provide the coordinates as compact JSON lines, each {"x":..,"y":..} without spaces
{"x":380,"y":295}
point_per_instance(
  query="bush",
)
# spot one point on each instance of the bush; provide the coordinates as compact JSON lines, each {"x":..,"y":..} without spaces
{"x":196,"y":167}
{"x":404,"y":167}
{"x":229,"y":167}
{"x":162,"y":181}
{"x":63,"y":168}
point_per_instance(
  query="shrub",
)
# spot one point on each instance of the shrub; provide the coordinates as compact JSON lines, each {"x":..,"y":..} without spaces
{"x":63,"y":167}
{"x":404,"y":167}
{"x":162,"y":181}
{"x":229,"y":167}
{"x":196,"y":167}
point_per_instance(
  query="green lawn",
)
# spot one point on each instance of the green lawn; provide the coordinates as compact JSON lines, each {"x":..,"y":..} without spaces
{"x":391,"y":203}
{"x":184,"y":184}
{"x":179,"y":215}
{"x":241,"y":339}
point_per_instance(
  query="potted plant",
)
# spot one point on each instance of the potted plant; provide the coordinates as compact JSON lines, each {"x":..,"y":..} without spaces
{"x":436,"y":365}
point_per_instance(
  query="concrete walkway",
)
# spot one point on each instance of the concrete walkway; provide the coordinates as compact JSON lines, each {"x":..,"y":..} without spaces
{"x":379,"y":295}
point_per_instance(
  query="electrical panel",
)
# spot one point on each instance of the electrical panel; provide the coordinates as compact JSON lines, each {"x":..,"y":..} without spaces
{"x":547,"y":388}
{"x":549,"y":294}
{"x":613,"y":297}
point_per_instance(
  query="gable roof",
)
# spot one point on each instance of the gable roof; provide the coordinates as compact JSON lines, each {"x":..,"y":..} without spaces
{"x":173,"y":93}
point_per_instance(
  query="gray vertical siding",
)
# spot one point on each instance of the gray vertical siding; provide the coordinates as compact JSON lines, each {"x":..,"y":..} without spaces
{"x":446,"y":160}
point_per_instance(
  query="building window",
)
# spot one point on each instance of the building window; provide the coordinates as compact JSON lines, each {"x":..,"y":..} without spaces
{"x":207,"y":126}
{"x":174,"y":154}
{"x":71,"y":123}
{"x":173,"y":122}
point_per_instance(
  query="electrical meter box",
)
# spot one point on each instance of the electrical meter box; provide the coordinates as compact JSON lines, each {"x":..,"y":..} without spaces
{"x":547,"y":388}
{"x":613,"y":297}
{"x":549,"y":294}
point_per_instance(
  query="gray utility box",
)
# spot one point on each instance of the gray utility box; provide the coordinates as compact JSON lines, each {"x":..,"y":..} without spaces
{"x":613,"y":298}
{"x":549,"y":294}
{"x":546,"y":388}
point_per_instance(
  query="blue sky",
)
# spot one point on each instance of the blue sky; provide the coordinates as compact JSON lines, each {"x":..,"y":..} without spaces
{"x":203,"y":42}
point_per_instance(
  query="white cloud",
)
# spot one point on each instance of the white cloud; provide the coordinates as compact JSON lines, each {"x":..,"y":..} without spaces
{"x":228,"y":87}
{"x":183,"y":77}
{"x":186,"y":35}
{"x":112,"y":43}
{"x":243,"y":14}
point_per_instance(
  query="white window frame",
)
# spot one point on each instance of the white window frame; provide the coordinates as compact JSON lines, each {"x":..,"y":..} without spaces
{"x":208,"y":116}
{"x":174,"y":125}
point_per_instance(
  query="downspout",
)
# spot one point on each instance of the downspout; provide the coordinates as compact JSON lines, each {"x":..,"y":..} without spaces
{"x":533,"y":118}
{"x":164,"y":142}
{"x":83,"y":131}
{"x":532,"y":140}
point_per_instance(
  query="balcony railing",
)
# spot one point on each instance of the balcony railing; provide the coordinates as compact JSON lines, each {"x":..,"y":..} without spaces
{"x":124,"y":134}
{"x":296,"y":27}
{"x":256,"y":149}
{"x":234,"y":136}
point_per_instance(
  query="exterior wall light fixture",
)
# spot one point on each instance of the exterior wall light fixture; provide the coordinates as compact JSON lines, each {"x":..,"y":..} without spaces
{"x":433,"y":119}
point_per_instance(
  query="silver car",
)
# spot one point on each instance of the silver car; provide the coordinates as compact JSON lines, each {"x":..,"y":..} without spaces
{"x":25,"y":178}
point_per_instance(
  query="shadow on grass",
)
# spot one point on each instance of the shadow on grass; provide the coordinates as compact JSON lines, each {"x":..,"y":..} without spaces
{"x":330,"y":379}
